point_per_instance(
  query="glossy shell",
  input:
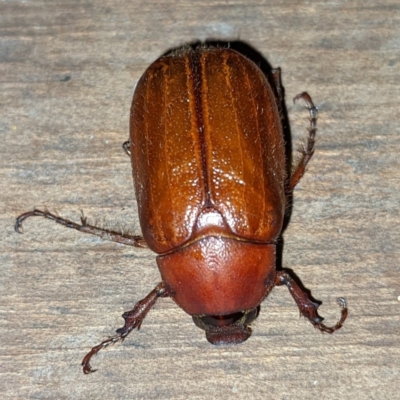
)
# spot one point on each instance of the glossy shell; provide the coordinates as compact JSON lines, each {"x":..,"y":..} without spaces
{"x":219,"y":276}
{"x":206,"y":140}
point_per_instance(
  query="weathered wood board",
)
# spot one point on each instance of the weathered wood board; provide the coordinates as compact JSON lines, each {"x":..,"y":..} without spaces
{"x":68,"y":71}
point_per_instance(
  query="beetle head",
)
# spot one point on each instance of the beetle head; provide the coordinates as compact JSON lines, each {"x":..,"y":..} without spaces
{"x":227,"y":329}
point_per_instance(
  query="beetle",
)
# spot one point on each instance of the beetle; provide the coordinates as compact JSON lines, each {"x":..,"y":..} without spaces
{"x":211,"y":182}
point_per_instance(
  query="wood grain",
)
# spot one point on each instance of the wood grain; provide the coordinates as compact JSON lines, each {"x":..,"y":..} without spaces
{"x":68,"y":70}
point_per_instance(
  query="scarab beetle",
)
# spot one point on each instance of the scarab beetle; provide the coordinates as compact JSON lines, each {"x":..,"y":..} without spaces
{"x":211,"y":182}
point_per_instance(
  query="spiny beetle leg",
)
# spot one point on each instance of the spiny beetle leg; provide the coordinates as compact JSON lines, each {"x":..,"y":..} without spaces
{"x":308,"y":150}
{"x":307,"y":307}
{"x":106,"y":234}
{"x":133,"y":319}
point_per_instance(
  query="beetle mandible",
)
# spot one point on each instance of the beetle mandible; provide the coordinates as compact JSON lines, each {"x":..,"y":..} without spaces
{"x":210,"y":174}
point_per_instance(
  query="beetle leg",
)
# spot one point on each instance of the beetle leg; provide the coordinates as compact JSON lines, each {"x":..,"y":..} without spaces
{"x":129,"y":240}
{"x":307,"y":307}
{"x":276,"y":77}
{"x":127,"y":147}
{"x":133,"y":319}
{"x":308,"y":150}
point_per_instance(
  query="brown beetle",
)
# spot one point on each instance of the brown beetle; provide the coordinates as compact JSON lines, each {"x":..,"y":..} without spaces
{"x":209,"y":167}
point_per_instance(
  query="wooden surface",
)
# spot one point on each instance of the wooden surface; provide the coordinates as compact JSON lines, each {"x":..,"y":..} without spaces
{"x":68,"y":70}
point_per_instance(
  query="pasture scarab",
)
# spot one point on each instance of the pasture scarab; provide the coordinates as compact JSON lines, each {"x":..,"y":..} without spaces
{"x":210,"y":174}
